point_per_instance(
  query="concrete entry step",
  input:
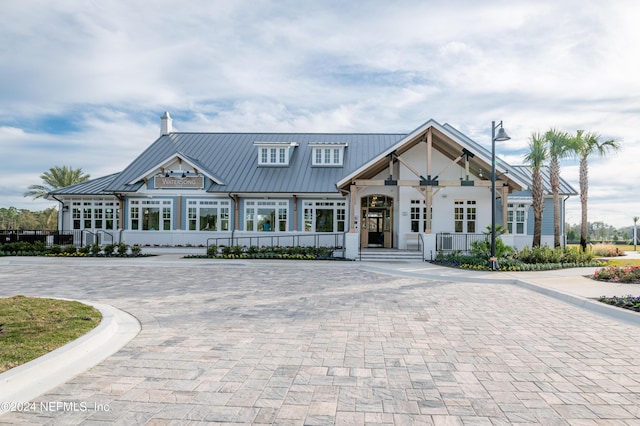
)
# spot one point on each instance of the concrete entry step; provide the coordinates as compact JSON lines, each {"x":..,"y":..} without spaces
{"x":381,"y":255}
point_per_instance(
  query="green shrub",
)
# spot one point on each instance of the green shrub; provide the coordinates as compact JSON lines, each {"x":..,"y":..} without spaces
{"x":55,"y":249}
{"x":212,"y":250}
{"x":122,"y":248}
{"x":69,"y":249}
{"x":545,"y":254}
{"x":109,"y":249}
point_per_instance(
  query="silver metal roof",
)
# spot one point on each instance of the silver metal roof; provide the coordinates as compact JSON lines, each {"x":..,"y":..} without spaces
{"x":565,"y":187}
{"x":233,"y":158}
{"x":90,"y":187}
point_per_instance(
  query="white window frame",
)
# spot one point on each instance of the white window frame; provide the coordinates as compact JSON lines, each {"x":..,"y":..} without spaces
{"x":94,"y":214}
{"x":465,"y":214}
{"x":312,"y":218}
{"x":252,"y":208}
{"x":137,"y":213}
{"x":418,"y":215}
{"x":328,"y":155}
{"x":274,"y":153}
{"x":195,"y":213}
{"x":517,"y":215}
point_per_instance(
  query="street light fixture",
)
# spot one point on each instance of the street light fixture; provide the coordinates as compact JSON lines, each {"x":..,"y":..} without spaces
{"x":501,"y":136}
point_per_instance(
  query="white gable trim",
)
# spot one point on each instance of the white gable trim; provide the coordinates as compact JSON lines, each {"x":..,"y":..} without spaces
{"x":162,"y":164}
{"x":388,"y":151}
{"x":451,"y":135}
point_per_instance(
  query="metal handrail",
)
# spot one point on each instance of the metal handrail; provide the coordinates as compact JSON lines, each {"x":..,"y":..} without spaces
{"x":421,"y":244}
{"x":89,"y":232}
{"x":294,"y":238}
{"x":109,"y":234}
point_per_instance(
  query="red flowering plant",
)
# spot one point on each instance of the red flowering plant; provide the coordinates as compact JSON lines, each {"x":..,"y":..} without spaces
{"x":621,"y":274}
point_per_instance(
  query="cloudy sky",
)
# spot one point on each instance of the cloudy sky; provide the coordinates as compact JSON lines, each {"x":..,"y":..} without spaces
{"x":84,"y":83}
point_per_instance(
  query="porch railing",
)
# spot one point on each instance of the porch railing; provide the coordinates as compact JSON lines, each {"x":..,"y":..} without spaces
{"x":321,"y":239}
{"x":448,"y":242}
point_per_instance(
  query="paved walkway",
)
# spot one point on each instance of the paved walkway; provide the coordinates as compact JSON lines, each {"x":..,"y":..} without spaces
{"x":338,"y":343}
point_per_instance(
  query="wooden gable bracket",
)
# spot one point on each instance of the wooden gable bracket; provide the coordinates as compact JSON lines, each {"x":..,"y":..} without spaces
{"x":390,"y":181}
{"x":467,"y":155}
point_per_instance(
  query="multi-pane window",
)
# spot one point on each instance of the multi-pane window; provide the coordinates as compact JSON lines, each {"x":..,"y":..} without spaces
{"x":327,"y":156}
{"x":94,"y":214}
{"x":516,"y":218}
{"x":208,"y":215}
{"x":418,"y":216}
{"x":150,"y":215}
{"x":464,"y":216}
{"x":266,"y":216}
{"x":324,"y":216}
{"x":273,"y":156}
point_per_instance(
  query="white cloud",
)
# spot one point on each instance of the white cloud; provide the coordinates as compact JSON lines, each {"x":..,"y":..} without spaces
{"x":113,"y":67}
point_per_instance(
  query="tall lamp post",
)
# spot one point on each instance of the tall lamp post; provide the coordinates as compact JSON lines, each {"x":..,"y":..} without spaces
{"x":501,"y":136}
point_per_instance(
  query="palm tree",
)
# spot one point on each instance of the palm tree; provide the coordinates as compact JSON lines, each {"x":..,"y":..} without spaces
{"x":56,"y":178}
{"x":536,"y":158}
{"x":585,"y":144}
{"x":559,"y":147}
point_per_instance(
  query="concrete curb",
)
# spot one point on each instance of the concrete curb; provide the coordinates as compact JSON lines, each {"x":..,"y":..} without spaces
{"x":28,"y":381}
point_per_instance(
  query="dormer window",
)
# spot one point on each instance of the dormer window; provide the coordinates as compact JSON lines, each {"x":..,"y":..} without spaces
{"x":328,"y":154}
{"x":274,"y":153}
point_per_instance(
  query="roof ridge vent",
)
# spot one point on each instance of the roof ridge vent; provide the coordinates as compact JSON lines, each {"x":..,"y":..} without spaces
{"x":165,"y":124}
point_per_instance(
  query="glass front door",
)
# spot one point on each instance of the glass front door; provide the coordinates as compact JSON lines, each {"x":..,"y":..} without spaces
{"x":375,"y":228}
{"x":376,"y":221}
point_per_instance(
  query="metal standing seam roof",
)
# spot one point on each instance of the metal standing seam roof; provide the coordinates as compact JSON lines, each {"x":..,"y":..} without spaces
{"x":565,"y":187}
{"x":232,"y":158}
{"x":90,"y":187}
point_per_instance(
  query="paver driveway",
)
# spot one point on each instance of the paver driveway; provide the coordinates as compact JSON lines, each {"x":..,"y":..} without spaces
{"x":330,"y":342}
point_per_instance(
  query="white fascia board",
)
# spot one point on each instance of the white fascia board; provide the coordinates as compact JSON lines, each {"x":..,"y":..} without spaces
{"x":274,"y":144}
{"x":324,"y":144}
{"x":485,"y":155}
{"x":400,"y":143}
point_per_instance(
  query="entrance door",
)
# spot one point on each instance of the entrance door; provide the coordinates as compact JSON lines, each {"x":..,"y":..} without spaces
{"x":375,"y":228}
{"x":377,"y":221}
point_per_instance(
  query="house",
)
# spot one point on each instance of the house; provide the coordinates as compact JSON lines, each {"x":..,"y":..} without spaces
{"x":429,"y":189}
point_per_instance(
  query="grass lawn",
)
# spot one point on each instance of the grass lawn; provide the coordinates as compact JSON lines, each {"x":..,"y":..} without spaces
{"x":31,"y":327}
{"x":622,"y":261}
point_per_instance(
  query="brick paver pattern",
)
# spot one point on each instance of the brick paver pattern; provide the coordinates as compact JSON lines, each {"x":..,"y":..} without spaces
{"x":293,"y":343}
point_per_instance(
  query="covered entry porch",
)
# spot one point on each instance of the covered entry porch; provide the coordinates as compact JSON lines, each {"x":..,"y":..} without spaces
{"x":432,"y":181}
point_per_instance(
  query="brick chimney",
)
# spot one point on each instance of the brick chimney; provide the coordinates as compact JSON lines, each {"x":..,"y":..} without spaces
{"x":165,"y":124}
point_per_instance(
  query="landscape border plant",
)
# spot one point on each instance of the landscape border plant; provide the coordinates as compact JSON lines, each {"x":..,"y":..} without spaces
{"x":268,"y":252}
{"x":527,"y":259}
{"x":38,"y":248}
{"x":618,"y":274}
{"x":626,"y":302}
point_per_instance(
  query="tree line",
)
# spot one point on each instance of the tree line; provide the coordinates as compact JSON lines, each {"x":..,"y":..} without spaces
{"x":56,"y":177}
{"x":12,"y":218}
{"x":546,"y":150}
